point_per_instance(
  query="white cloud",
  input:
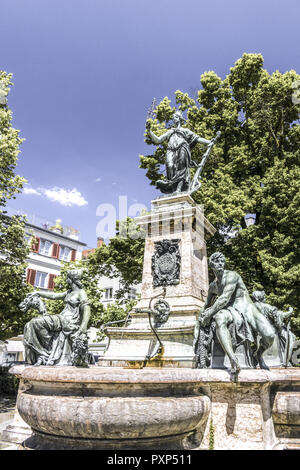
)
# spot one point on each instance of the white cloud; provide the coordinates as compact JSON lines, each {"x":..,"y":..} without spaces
{"x":28,"y":190}
{"x":98,"y":179}
{"x":65,"y":197}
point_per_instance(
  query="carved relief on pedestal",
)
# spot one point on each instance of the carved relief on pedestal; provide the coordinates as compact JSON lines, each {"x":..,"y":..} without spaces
{"x":166,"y":262}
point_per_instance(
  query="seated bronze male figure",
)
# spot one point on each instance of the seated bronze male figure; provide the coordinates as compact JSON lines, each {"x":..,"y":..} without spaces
{"x":234,"y":307}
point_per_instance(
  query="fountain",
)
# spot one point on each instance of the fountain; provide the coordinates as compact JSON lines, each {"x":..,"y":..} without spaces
{"x":184,"y":369}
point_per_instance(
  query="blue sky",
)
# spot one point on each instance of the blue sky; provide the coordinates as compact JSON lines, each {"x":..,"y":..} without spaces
{"x":86,"y":71}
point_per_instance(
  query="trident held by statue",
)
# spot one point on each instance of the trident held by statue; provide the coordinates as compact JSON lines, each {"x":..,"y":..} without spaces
{"x":195,"y":184}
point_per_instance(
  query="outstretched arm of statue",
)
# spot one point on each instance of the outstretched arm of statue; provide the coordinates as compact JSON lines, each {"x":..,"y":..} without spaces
{"x":157,"y":140}
{"x":286,"y":315}
{"x":203,"y":141}
{"x":51,"y":295}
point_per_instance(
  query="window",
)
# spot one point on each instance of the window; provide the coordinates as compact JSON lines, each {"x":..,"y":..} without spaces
{"x":28,"y":238}
{"x":132,"y":294}
{"x":45,"y":246}
{"x":108,"y":293}
{"x":40,"y":279}
{"x":64,"y":253}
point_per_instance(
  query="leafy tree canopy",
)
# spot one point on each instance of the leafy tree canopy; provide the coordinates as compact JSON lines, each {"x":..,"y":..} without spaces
{"x":253,"y":169}
{"x":13,"y":246}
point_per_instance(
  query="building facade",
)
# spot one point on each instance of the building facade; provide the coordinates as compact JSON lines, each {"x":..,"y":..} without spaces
{"x":50,"y":247}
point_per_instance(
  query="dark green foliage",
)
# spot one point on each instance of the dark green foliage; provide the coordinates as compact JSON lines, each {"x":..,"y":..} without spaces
{"x":123,"y":256}
{"x":8,"y":383}
{"x":253,"y":169}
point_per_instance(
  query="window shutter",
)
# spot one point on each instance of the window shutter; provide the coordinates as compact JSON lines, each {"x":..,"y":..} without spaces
{"x":73,"y":255}
{"x":31,"y":273}
{"x":36,"y":246}
{"x":51,"y":281}
{"x":55,"y":250}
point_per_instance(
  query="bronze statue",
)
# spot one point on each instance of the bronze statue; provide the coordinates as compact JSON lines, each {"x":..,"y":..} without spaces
{"x":237,"y":320}
{"x":278,"y":319}
{"x":178,"y":157}
{"x":62,"y":338}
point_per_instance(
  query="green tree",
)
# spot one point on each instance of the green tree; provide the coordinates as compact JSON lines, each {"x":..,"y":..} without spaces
{"x":13,"y":246}
{"x":253,"y":169}
{"x":122,"y":257}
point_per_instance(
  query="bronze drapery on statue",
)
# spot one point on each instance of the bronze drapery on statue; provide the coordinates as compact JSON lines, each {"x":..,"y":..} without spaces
{"x":58,"y":339}
{"x":178,"y":157}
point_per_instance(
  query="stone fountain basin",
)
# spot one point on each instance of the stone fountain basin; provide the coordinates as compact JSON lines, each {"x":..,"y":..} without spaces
{"x":157,"y":408}
{"x":111,"y":403}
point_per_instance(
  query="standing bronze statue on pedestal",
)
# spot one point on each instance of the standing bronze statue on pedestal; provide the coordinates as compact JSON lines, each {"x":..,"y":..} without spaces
{"x":178,"y":157}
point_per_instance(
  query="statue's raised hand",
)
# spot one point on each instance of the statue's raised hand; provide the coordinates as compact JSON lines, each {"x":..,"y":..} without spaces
{"x":289,"y":313}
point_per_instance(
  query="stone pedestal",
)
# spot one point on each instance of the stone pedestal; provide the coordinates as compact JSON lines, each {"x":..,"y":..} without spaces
{"x":177,"y":219}
{"x":160,"y":408}
{"x":260,"y":411}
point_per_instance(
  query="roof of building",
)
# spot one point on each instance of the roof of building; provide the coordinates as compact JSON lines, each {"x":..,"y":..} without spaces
{"x":50,"y":231}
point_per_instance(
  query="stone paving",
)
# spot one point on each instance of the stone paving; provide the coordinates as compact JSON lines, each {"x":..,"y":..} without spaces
{"x":7,"y":408}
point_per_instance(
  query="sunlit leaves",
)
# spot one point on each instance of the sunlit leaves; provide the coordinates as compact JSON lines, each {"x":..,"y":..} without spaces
{"x":254,"y":168}
{"x":13,"y":247}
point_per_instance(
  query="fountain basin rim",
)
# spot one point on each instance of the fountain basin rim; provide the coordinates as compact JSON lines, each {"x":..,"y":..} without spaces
{"x":109,"y":375}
